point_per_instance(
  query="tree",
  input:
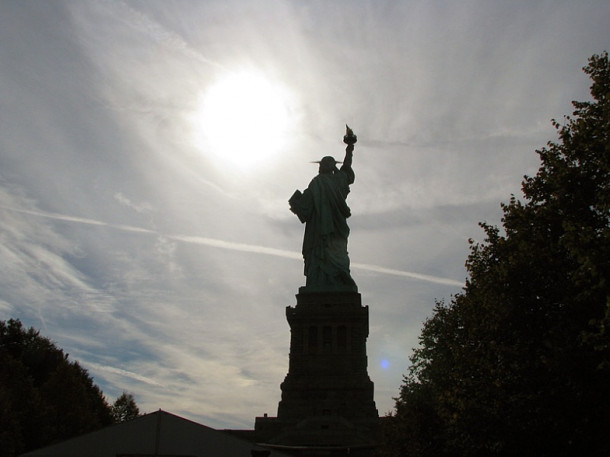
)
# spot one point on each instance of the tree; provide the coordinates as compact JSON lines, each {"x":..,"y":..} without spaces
{"x":125,"y":408}
{"x":518,"y":363}
{"x":44,"y":397}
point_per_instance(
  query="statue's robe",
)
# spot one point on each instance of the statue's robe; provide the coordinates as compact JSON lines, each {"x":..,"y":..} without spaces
{"x":323,"y":209}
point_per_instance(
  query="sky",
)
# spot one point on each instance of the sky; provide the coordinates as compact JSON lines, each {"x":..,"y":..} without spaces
{"x":148,"y":150}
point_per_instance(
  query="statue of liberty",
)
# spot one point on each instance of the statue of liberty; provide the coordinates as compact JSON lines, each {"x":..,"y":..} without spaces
{"x":323,"y":210}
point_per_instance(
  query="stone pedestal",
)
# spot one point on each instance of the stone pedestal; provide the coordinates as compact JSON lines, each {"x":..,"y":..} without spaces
{"x":327,"y":396}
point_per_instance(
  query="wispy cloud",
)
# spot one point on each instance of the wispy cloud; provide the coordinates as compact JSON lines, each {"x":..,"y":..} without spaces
{"x":76,"y":219}
{"x":407,"y":274}
{"x":139,"y":20}
{"x":125,"y":373}
{"x":165,"y":270}
{"x":138,"y":207}
{"x":233,"y":246}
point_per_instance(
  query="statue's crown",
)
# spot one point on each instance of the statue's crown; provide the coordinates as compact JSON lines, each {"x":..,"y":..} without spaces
{"x":327,"y":160}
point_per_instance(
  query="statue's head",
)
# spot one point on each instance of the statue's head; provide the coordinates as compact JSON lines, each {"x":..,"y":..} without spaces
{"x":328,"y":164}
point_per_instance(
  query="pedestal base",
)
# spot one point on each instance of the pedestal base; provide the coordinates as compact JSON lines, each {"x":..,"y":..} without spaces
{"x":327,"y":396}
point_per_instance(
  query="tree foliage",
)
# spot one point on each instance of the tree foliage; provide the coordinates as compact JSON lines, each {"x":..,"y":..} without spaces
{"x":125,"y":408}
{"x":518,"y":363}
{"x":44,"y":397}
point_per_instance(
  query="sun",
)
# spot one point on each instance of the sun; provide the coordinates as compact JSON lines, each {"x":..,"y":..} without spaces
{"x":244,"y":119}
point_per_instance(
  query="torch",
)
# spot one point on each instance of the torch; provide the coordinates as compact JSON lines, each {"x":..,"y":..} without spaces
{"x":349,"y":137}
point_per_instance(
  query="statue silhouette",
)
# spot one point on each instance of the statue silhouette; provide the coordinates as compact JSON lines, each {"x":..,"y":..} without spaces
{"x":323,"y":210}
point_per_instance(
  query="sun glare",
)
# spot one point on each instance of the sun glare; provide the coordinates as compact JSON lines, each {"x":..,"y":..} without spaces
{"x":244,"y":119}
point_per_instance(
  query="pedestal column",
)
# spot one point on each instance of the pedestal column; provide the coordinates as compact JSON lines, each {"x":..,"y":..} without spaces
{"x":327,"y":395}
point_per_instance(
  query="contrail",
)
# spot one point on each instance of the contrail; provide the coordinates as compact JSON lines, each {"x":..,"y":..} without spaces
{"x":79,"y":220}
{"x":236,"y":246}
{"x":407,"y":274}
{"x":121,"y":372}
{"x":298,"y":256}
{"x":233,"y":246}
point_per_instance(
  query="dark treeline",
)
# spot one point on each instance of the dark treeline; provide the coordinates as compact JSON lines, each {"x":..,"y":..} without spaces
{"x":518,"y":364}
{"x":44,"y":396}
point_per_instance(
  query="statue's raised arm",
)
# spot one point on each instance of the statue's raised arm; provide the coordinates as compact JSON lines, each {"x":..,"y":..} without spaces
{"x":323,"y":210}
